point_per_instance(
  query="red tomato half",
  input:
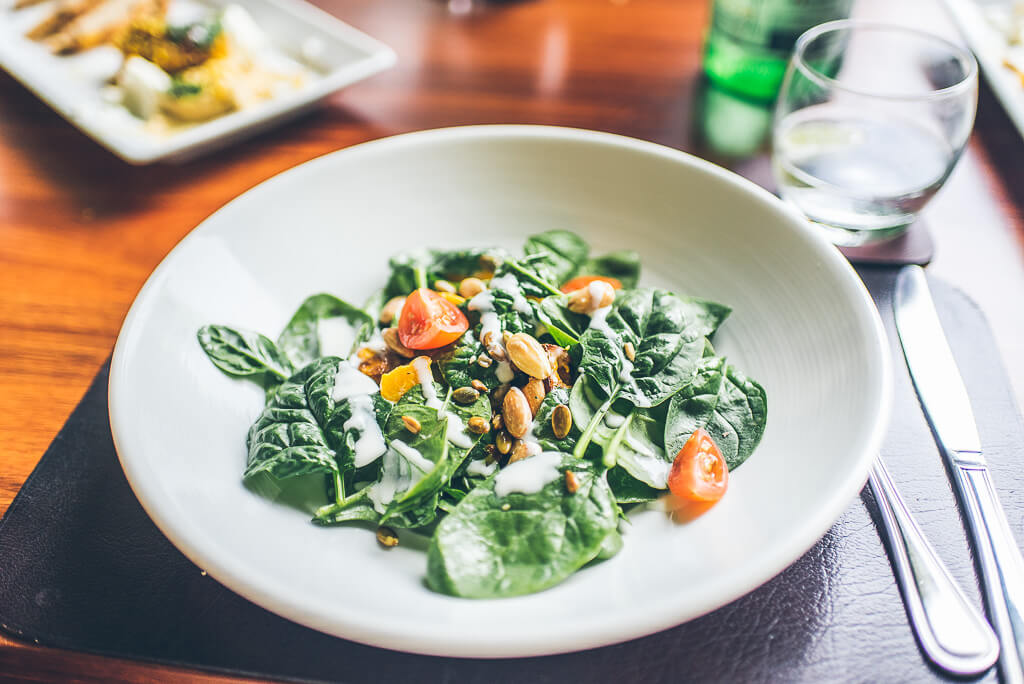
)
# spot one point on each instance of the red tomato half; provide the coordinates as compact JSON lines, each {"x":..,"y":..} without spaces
{"x":699,"y":472}
{"x":430,"y":321}
{"x":580,"y":282}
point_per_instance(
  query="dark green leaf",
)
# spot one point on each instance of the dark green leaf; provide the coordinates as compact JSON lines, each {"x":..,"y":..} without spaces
{"x":731,"y":407}
{"x":493,"y":547}
{"x":542,"y":429}
{"x":316,"y":319}
{"x":563,"y":253}
{"x":242,"y":352}
{"x":623,"y":266}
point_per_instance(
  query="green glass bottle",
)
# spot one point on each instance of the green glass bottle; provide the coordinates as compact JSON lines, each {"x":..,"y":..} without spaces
{"x":749,"y":41}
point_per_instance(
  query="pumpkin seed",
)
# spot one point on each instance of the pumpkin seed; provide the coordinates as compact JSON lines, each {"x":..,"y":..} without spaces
{"x":629,"y":350}
{"x":571,"y":485}
{"x":478,"y":425}
{"x":387,"y":537}
{"x":471,"y":287}
{"x":478,"y":386}
{"x":503,"y":442}
{"x":444,"y":286}
{"x":412,"y":425}
{"x":561,"y":421}
{"x":465,"y":395}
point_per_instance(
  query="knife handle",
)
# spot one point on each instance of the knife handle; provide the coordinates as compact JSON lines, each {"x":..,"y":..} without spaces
{"x":951,"y":631}
{"x":1002,"y":568}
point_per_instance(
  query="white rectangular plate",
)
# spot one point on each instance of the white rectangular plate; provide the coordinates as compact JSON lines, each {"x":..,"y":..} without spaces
{"x":73,"y":85}
{"x":989,"y":46}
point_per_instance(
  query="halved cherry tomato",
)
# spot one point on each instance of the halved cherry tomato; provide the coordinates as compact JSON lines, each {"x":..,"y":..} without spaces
{"x":430,"y":321}
{"x":580,"y":282}
{"x":699,"y":472}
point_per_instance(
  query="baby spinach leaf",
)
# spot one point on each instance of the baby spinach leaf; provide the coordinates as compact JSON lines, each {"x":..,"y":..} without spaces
{"x":623,"y":266}
{"x":564,"y":326}
{"x":408,"y":272}
{"x":357,"y":507}
{"x":563,"y":252}
{"x":629,"y":490}
{"x":667,"y":336}
{"x":730,"y":406}
{"x":533,"y":273}
{"x":454,"y":265}
{"x":492,"y":547}
{"x":544,"y":432}
{"x":286,"y":440}
{"x":302,"y":338}
{"x":459,"y":367}
{"x":243,"y":353}
{"x":440,"y":441}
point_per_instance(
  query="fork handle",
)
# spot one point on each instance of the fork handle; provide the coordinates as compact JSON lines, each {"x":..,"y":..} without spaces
{"x":950,"y":630}
{"x":1002,"y":568}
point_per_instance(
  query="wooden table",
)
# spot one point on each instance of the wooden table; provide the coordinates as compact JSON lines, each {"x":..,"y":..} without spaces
{"x":80,"y":231}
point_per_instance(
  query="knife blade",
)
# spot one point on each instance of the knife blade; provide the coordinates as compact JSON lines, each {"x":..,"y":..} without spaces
{"x":944,"y":399}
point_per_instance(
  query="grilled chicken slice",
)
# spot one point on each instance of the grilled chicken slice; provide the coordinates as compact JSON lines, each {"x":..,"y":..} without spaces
{"x":99,"y":24}
{"x":63,"y":14}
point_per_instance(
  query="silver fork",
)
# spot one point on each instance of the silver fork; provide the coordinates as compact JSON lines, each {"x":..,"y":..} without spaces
{"x":951,"y":631}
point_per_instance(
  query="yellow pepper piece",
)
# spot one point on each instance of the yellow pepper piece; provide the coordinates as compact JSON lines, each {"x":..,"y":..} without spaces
{"x":394,"y":384}
{"x":453,"y":298}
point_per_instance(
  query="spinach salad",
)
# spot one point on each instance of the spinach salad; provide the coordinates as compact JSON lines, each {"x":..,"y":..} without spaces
{"x":510,"y":407}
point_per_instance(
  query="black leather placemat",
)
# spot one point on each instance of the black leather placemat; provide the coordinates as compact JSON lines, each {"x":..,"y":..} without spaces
{"x":82,"y":567}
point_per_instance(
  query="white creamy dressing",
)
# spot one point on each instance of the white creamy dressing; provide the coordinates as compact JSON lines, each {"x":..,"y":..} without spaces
{"x":422,"y":367}
{"x":376,"y":343}
{"x":456,"y":432}
{"x":598,"y":320}
{"x":597,"y":290}
{"x":508,"y":284}
{"x":349,"y":382}
{"x":504,"y":372}
{"x":336,"y":336}
{"x":394,"y":474}
{"x":352,"y":385}
{"x":370,"y":444}
{"x":614,"y":420}
{"x":413,"y":457}
{"x":479,"y":467}
{"x":655,"y":467}
{"x":529,"y":475}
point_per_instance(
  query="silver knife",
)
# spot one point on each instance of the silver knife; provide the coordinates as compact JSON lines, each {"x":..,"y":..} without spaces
{"x":944,"y":398}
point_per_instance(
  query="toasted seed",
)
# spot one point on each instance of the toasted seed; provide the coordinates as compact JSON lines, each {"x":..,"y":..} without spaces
{"x":505,"y":337}
{"x":559,"y":360}
{"x":520,"y":450}
{"x":478,"y":425}
{"x":497,"y":422}
{"x":506,"y":506}
{"x":478,"y":386}
{"x":390,"y":336}
{"x":516,"y":410}
{"x":629,"y":350}
{"x":412,"y":425}
{"x":561,"y":421}
{"x":387,"y":537}
{"x":465,"y":395}
{"x":528,"y":356}
{"x":498,"y":395}
{"x":534,"y":391}
{"x":443,"y":286}
{"x":488,"y":263}
{"x":471,"y":287}
{"x":391,"y":310}
{"x":484,"y":361}
{"x":503,"y":442}
{"x":571,"y":485}
{"x":495,"y":350}
{"x":594,"y":296}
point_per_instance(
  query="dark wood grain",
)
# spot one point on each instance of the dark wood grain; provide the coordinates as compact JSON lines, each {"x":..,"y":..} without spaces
{"x":80,"y":231}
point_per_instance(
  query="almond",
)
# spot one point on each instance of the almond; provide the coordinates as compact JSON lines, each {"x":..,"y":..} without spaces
{"x":471,"y":287}
{"x":589,"y":299}
{"x":534,"y":391}
{"x":392,"y":310}
{"x":390,"y":336}
{"x":516,"y":410}
{"x":528,"y":355}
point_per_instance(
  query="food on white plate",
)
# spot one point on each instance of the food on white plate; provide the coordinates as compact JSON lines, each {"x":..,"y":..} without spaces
{"x":511,"y":408}
{"x":1008,"y":19}
{"x":182,"y":63}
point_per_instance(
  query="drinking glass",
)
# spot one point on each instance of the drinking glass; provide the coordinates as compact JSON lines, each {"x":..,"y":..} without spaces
{"x":870,"y":121}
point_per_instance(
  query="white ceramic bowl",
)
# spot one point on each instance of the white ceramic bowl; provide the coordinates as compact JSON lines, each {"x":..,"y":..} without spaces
{"x":803,"y":325}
